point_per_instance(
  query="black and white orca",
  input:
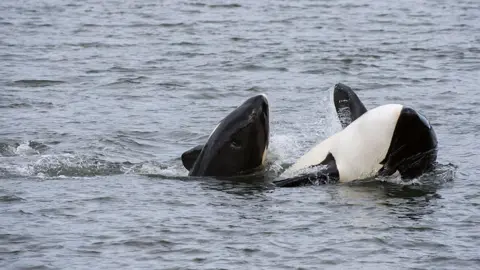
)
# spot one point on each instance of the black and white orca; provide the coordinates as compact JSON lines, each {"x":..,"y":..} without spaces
{"x":377,"y":142}
{"x":238,"y":144}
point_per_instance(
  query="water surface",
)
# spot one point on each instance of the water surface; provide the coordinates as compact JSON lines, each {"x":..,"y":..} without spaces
{"x":97,"y":96}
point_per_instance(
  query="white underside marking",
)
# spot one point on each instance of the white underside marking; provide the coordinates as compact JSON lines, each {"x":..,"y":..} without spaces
{"x":264,"y":155}
{"x":359,"y":148}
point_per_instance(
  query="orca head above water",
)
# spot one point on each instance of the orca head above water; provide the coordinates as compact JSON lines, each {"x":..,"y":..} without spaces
{"x":237,"y":146}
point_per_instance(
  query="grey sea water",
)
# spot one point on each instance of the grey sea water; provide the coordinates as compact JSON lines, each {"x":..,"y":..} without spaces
{"x":98,"y":99}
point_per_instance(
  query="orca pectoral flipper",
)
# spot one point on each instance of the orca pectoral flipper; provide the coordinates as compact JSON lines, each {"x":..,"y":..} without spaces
{"x":348,"y":105}
{"x":190,"y":156}
{"x":303,"y":180}
{"x":327,"y":173}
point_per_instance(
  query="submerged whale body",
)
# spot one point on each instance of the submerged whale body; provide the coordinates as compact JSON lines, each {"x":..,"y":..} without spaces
{"x":237,"y":146}
{"x":378,"y":142}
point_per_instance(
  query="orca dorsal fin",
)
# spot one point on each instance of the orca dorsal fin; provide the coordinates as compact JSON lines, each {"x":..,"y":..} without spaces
{"x":190,"y":156}
{"x":348,"y":105}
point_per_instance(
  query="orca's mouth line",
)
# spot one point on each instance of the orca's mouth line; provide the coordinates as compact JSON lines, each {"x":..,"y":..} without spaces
{"x":266,"y":127}
{"x":265,"y":109}
{"x":253,"y":171}
{"x":265,"y":114}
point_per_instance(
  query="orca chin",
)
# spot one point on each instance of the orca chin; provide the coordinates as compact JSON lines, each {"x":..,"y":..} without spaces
{"x":380,"y":142}
{"x":237,"y":145}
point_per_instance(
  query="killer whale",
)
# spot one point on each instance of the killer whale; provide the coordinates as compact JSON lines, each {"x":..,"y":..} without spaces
{"x":238,"y":144}
{"x":376,"y":142}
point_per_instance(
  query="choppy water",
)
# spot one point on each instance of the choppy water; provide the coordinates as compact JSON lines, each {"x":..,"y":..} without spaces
{"x":95,"y":96}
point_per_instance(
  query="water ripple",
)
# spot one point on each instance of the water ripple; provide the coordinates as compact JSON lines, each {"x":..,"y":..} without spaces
{"x":35,"y":83}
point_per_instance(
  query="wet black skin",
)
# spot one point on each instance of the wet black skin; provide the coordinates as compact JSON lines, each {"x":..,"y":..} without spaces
{"x":190,"y":156}
{"x":327,"y":174}
{"x":237,"y":145}
{"x":412,"y":151}
{"x":348,"y":105}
